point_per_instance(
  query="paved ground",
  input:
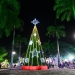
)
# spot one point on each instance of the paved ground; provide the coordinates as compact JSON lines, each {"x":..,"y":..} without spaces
{"x":2,"y":69}
{"x":39,"y":72}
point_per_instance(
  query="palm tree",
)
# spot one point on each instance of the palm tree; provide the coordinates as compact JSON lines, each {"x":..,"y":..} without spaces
{"x":56,"y":31}
{"x":19,"y":40}
{"x":21,"y":29}
{"x":46,"y":47}
{"x":9,"y":12}
{"x":66,"y":8}
{"x":9,"y":20}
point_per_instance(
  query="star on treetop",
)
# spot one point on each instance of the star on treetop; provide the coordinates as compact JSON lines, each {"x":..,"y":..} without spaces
{"x":35,"y":21}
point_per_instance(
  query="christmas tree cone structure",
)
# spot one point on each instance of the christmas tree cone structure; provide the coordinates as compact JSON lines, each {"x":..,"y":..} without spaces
{"x":34,"y":55}
{"x":34,"y":58}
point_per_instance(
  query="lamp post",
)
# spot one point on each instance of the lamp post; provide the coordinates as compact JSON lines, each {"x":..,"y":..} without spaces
{"x":12,"y":54}
{"x":19,"y":55}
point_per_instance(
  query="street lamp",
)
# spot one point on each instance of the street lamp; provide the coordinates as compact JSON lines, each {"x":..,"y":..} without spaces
{"x":13,"y":52}
{"x":12,"y":55}
{"x":74,"y":35}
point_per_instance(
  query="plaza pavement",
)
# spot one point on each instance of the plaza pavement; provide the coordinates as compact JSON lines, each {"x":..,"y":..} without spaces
{"x":2,"y":69}
{"x":51,"y":71}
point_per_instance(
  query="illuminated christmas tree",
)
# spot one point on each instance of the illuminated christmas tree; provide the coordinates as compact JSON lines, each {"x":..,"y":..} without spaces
{"x":34,"y":55}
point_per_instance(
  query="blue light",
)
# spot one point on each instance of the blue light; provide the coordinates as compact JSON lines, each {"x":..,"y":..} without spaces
{"x":35,"y":22}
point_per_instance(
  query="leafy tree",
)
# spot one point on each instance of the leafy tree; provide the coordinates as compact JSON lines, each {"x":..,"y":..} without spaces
{"x":66,"y":8}
{"x":3,"y":53}
{"x":56,"y":31}
{"x":49,"y":48}
{"x":19,"y":40}
{"x":66,"y":48}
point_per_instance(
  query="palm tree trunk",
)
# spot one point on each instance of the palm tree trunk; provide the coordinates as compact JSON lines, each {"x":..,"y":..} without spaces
{"x":12,"y":48}
{"x":58,"y":52}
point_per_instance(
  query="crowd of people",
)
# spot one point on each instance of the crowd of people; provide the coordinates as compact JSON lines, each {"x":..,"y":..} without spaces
{"x":52,"y":63}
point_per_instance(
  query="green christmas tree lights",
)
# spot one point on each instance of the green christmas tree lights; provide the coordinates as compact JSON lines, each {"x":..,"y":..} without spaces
{"x":34,"y":55}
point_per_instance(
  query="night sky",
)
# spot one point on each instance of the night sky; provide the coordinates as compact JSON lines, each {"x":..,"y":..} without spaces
{"x":42,"y":10}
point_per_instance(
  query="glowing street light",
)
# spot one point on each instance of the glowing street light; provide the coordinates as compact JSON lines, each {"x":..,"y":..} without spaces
{"x":71,"y":57}
{"x":13,"y":53}
{"x":74,"y":35}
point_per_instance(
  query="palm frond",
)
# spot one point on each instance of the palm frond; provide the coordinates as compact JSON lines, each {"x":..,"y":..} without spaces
{"x":57,"y":1}
{"x":66,"y":8}
{"x":57,"y":34}
{"x":62,"y":33}
{"x":68,"y":16}
{"x":56,"y":6}
{"x":3,"y":52}
{"x":60,"y":27}
{"x":50,"y":29}
{"x":56,"y":31}
{"x":9,"y":11}
{"x":64,"y":16}
{"x":60,"y":11}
